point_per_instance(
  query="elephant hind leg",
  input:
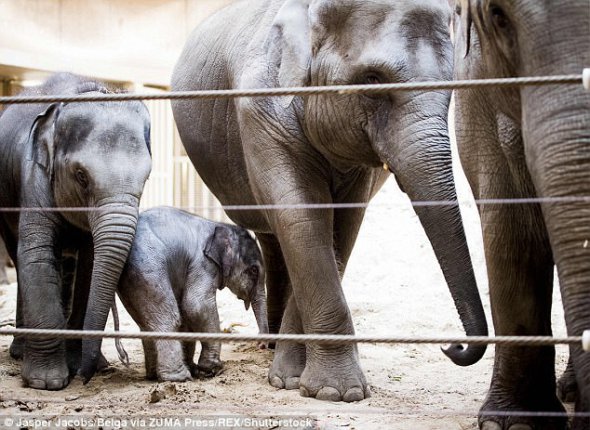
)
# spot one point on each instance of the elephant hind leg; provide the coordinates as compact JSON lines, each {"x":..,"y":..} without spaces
{"x":278,"y":284}
{"x":290,"y":358}
{"x":567,"y":385}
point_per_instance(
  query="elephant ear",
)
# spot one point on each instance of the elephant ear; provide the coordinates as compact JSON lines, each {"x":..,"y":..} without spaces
{"x":291,"y":37}
{"x":42,"y":137}
{"x":221,"y":248}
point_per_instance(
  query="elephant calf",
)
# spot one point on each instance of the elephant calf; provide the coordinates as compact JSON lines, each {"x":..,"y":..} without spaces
{"x":177,"y":263}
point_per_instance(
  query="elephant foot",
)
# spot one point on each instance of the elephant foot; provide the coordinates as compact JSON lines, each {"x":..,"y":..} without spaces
{"x":179,"y":375}
{"x":567,"y":386}
{"x":45,"y":372}
{"x":17,"y":348}
{"x":334,"y":375}
{"x":489,"y":421}
{"x":206,"y":368}
{"x":287,"y":366}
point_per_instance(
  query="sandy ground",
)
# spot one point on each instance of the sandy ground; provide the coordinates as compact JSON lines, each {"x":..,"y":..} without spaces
{"x":393,"y":285}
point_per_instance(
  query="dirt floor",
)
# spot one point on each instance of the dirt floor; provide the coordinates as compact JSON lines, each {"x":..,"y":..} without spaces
{"x":393,"y":286}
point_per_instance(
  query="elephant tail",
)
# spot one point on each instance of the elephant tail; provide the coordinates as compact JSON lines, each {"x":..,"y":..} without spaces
{"x":123,"y":356}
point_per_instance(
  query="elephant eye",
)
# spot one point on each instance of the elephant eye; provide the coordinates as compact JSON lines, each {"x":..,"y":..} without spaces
{"x":499,"y":17}
{"x":253,"y":271}
{"x":81,"y":178}
{"x":373,"y":79}
{"x":458,"y":9}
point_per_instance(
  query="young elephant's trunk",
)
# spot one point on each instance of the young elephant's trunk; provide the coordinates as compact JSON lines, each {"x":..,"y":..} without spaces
{"x":259,"y":308}
{"x":113,"y":230}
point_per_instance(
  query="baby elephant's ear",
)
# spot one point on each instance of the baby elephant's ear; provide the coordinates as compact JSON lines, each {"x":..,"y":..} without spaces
{"x":221,"y":249}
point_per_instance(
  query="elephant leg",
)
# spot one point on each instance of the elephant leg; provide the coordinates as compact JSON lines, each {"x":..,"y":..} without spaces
{"x":165,"y":359}
{"x":151,"y":359}
{"x":3,"y":263}
{"x":520,"y":270}
{"x":17,"y":347}
{"x":319,"y":306}
{"x":170,"y":359}
{"x":44,"y":359}
{"x":188,"y":349}
{"x":289,"y":359}
{"x":203,"y":317}
{"x":68,"y":265}
{"x":278,"y":285}
{"x":567,"y":385}
{"x":79,"y":301}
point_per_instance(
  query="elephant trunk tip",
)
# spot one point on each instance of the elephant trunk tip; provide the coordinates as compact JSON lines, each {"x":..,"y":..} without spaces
{"x":462,"y":356}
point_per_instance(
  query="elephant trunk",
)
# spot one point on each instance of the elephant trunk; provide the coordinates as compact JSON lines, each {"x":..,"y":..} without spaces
{"x":113,"y":229}
{"x":259,"y":308}
{"x":423,"y":169}
{"x":556,"y":132}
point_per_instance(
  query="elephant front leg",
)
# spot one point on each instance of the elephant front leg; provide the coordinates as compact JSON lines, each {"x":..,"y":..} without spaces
{"x":520,"y":270}
{"x":44,"y":360}
{"x":331,"y":372}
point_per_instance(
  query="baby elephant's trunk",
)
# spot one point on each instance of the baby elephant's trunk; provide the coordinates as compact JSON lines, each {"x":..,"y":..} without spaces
{"x":259,"y":308}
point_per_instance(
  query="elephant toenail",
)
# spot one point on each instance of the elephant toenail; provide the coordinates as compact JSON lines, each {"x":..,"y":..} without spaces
{"x":354,"y":395}
{"x":37,"y":384}
{"x":292,"y":384}
{"x":520,"y":427}
{"x":491,"y":425}
{"x":329,"y":393}
{"x":276,"y":382}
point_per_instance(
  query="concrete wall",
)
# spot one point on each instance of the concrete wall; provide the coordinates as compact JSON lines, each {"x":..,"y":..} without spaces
{"x":118,"y":40}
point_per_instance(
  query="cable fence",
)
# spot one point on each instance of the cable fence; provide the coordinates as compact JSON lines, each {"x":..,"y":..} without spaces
{"x":331,"y":339}
{"x":583,"y":79}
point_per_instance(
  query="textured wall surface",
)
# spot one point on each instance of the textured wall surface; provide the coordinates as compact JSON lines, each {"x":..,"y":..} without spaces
{"x":119,"y":40}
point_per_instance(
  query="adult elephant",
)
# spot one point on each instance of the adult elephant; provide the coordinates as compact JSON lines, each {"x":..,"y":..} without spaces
{"x":325,"y":150}
{"x":521,"y":143}
{"x":76,"y":155}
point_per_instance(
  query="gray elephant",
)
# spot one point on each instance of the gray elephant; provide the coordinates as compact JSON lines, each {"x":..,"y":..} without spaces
{"x":522,"y":143}
{"x":177,"y":264}
{"x":74,"y":155}
{"x":325,"y":150}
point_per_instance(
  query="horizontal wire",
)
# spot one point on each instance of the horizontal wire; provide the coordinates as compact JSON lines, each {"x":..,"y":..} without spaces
{"x":360,"y":205}
{"x":331,"y":339}
{"x":303,"y":91}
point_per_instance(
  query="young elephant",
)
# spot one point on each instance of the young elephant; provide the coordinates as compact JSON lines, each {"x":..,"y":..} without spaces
{"x":177,"y":263}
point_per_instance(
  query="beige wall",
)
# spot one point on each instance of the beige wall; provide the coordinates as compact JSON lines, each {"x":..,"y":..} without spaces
{"x":131,"y":41}
{"x":119,"y":40}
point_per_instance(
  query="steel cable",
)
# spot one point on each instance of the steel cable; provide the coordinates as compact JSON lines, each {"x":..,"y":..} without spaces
{"x":304,"y":91}
{"x":331,"y":339}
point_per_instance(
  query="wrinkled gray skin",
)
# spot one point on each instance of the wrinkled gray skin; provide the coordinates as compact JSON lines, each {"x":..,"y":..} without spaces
{"x":69,"y":155}
{"x":293,"y":150}
{"x":177,"y":264}
{"x":5,"y":262}
{"x":529,"y":142}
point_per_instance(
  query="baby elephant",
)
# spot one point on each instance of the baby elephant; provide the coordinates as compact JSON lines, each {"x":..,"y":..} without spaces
{"x":177,"y":263}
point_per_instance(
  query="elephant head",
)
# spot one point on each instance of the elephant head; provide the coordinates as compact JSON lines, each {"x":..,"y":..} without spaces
{"x":238,"y":257}
{"x":97,"y":156}
{"x":340,"y":42}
